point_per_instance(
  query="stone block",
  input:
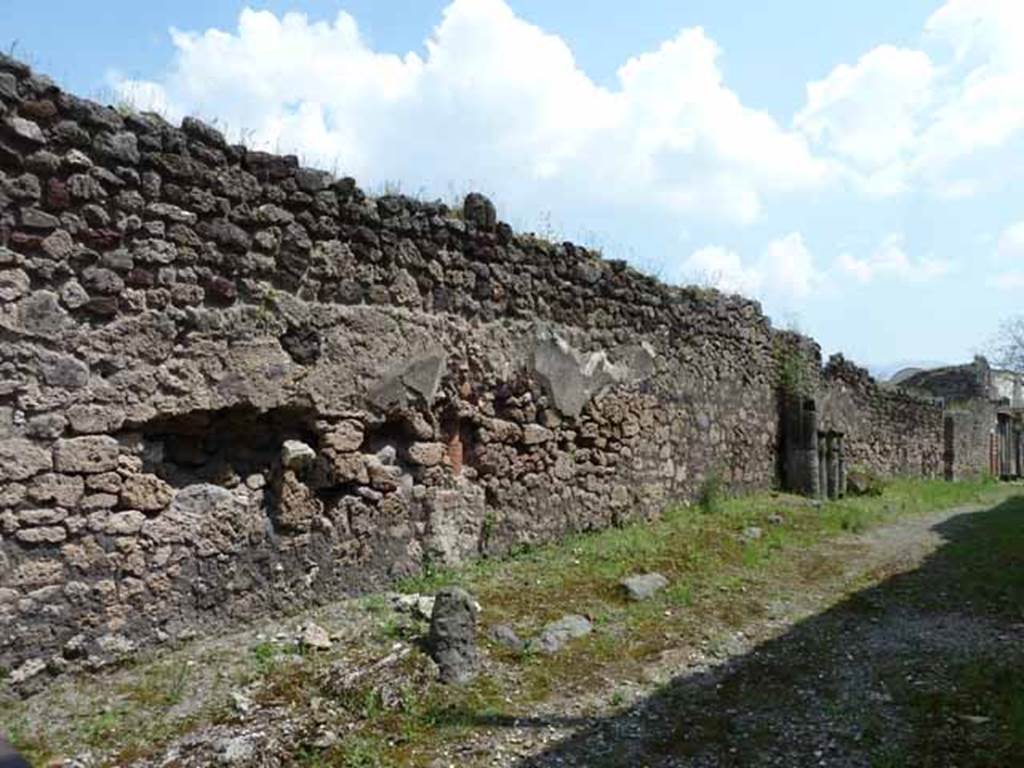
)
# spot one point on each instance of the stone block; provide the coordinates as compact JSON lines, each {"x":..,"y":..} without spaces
{"x":20,"y":459}
{"x":87,"y":455}
{"x":145,"y":492}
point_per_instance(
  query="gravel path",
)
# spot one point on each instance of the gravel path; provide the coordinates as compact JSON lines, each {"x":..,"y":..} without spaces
{"x":823,"y":681}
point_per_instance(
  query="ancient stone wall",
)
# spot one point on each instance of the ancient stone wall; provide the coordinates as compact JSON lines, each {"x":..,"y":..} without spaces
{"x":885,"y":431}
{"x":231,"y":385}
{"x":969,"y":434}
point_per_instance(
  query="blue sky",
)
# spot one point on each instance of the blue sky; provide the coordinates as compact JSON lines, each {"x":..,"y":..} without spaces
{"x":851,"y":165}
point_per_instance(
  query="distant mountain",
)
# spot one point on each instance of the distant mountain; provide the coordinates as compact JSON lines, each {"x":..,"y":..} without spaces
{"x":900,"y":369}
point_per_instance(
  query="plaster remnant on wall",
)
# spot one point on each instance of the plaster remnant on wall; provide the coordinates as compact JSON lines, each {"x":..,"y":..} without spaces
{"x":411,"y":381}
{"x":573,"y":378}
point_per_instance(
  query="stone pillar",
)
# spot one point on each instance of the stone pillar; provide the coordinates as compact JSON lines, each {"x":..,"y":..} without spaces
{"x":452,"y":639}
{"x":948,"y":448}
{"x":832,"y":466}
{"x":802,"y":449}
{"x":822,"y":467}
{"x":808,"y":450}
{"x":840,"y":467}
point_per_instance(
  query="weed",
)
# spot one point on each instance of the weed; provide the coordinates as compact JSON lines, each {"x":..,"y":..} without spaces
{"x":264,"y":653}
{"x":712,"y":494}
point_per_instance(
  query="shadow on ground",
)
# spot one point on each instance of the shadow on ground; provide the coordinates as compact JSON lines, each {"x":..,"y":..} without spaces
{"x":924,"y":669}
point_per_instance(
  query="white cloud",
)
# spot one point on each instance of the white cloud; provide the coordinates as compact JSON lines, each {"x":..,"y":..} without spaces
{"x":784,"y":272}
{"x":898,"y":117}
{"x":869,"y":113}
{"x":723,"y":269}
{"x":1011,"y":242}
{"x":788,"y":267}
{"x":494,"y":101}
{"x":890,"y":260}
{"x":1008,"y":281}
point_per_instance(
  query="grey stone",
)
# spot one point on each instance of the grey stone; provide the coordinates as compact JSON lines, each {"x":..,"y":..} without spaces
{"x":455,"y":523}
{"x":207,"y":134}
{"x":30,"y":669}
{"x":343,"y":437}
{"x":426,"y":454}
{"x":119,"y":147}
{"x":88,"y":455}
{"x":63,"y":490}
{"x":124,"y":523}
{"x":46,"y":426}
{"x":504,"y":635}
{"x":43,"y":163}
{"x":77,"y":160}
{"x":478,"y":210}
{"x":99,"y":280}
{"x":20,"y":459}
{"x":94,"y":419}
{"x":145,"y":492}
{"x":74,"y":295}
{"x":26,"y":130}
{"x":296,"y":455}
{"x":643,"y":586}
{"x":172,"y":213}
{"x":8,"y":87}
{"x":452,"y":639}
{"x":420,"y":606}
{"x":315,"y":637}
{"x":34,"y":218}
{"x":95,"y":501}
{"x":14,"y":283}
{"x":64,"y":371}
{"x":58,"y":245}
{"x":555,"y":635}
{"x":54,"y":534}
{"x":238,"y":750}
{"x":32,"y":517}
{"x":752,"y":533}
{"x":534,"y":434}
{"x":82,"y":186}
{"x":41,"y":314}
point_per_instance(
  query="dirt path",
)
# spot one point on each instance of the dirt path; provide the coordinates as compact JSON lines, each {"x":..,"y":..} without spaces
{"x":840,"y":676}
{"x":900,"y":646}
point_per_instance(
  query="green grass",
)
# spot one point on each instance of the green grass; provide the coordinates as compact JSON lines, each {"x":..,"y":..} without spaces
{"x":718,"y":580}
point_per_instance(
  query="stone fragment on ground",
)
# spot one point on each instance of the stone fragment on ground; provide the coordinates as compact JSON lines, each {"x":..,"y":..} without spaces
{"x":316,"y":637}
{"x":555,"y":635}
{"x":643,"y":585}
{"x":415,"y":604}
{"x":452,"y":640}
{"x":752,"y":533}
{"x":503,"y":634}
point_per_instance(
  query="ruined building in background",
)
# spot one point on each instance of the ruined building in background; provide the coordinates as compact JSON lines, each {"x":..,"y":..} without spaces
{"x":984,"y":416}
{"x":230,"y":385}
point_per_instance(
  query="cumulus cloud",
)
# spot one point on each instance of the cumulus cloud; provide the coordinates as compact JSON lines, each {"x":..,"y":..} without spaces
{"x":898,"y":117}
{"x":870,"y":113}
{"x":492,"y":100}
{"x":784,"y":272}
{"x":890,"y":260}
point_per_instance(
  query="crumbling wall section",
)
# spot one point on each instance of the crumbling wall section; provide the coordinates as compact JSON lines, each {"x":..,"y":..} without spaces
{"x":231,"y":385}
